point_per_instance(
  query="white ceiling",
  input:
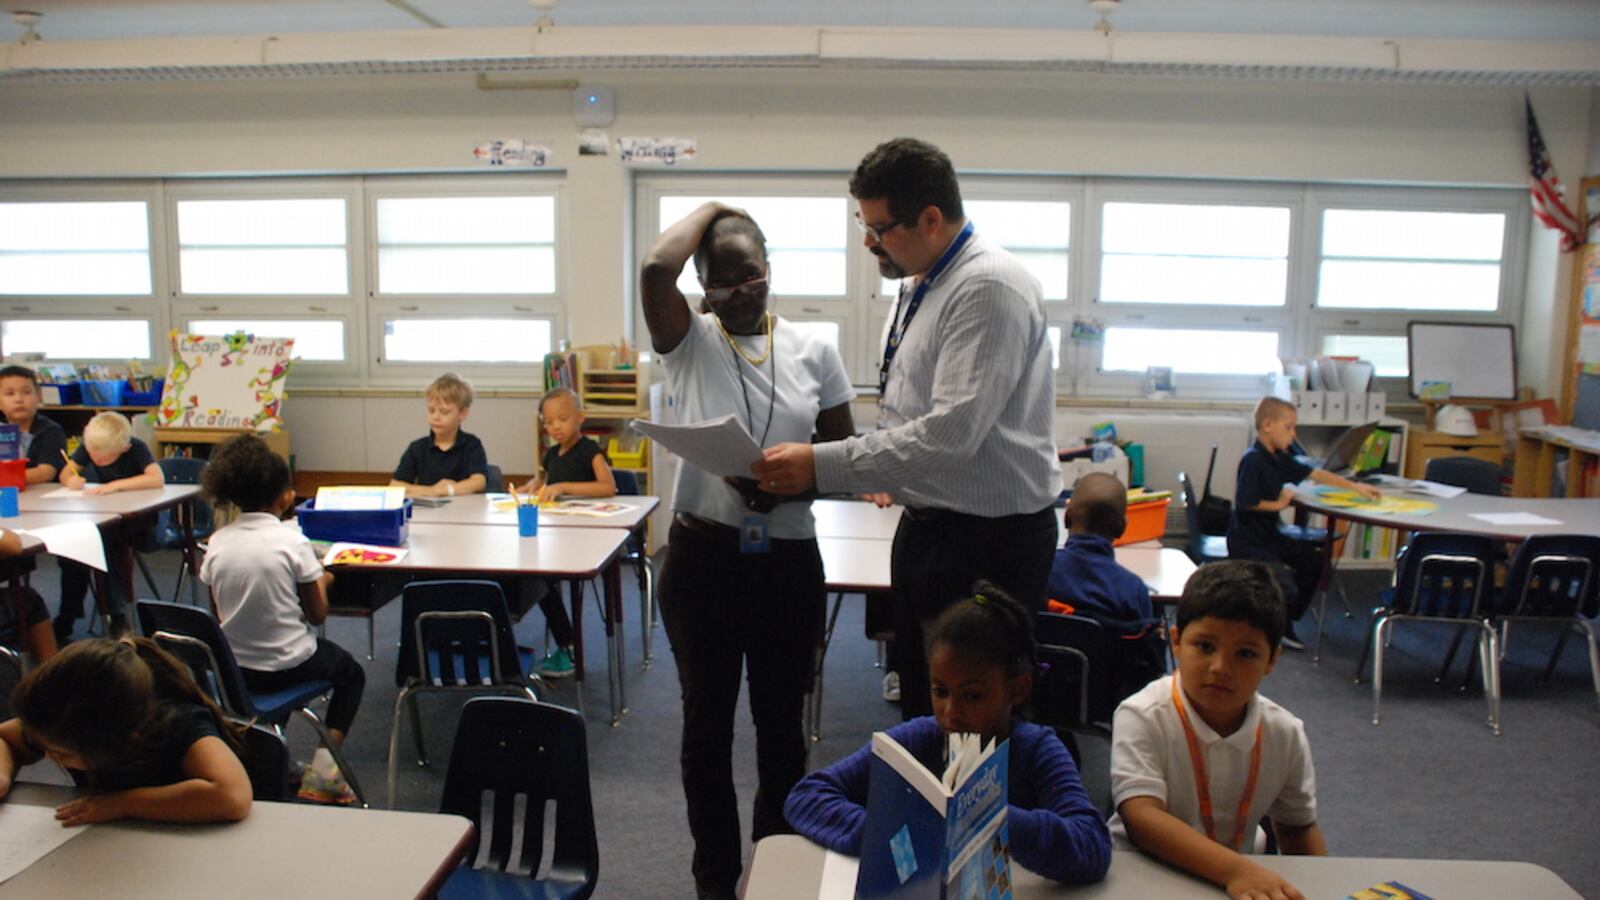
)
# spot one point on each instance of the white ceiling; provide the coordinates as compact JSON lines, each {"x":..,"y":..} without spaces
{"x":1498,"y":20}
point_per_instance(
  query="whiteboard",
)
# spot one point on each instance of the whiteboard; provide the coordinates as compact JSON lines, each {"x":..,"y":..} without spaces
{"x":1479,"y":361}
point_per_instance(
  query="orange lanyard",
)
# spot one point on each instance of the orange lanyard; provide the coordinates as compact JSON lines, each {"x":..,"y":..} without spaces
{"x":1202,"y":781}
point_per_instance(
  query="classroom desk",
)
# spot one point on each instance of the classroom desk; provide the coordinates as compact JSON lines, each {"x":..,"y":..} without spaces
{"x":478,"y":509}
{"x":279,"y":850}
{"x":855,"y":519}
{"x":571,"y":554}
{"x":16,"y":569}
{"x":1455,"y":514}
{"x":789,"y":867}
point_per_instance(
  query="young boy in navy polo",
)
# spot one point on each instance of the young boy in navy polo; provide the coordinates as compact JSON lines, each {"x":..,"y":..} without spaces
{"x":44,"y":444}
{"x":1267,"y":474}
{"x":447,"y":461}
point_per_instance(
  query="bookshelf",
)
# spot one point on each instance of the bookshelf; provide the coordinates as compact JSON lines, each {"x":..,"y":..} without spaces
{"x":611,"y":396}
{"x":200,"y":441}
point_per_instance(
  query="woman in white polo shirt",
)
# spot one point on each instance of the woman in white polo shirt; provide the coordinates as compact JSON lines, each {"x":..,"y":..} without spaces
{"x":743,"y":582}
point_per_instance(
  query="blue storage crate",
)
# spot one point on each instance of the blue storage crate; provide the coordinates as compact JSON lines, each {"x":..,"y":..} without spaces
{"x":152,"y":397}
{"x":385,"y":527}
{"x":103,"y":393}
{"x":69,"y":394}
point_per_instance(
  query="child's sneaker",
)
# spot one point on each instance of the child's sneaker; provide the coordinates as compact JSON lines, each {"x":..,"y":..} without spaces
{"x":891,"y":687}
{"x":557,"y":664}
{"x":319,"y":788}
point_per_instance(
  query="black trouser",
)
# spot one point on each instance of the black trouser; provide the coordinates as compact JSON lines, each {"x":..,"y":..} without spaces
{"x":937,"y":556}
{"x":1304,"y":559}
{"x":723,"y":610}
{"x":75,"y":577}
{"x":331,"y":663}
{"x":556,"y":617}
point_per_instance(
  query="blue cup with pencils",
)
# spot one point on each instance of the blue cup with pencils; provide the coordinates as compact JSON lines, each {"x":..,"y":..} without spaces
{"x":527,"y":514}
{"x":8,"y":502}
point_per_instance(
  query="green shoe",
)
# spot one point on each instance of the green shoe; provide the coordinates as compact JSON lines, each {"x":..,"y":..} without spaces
{"x":557,"y":664}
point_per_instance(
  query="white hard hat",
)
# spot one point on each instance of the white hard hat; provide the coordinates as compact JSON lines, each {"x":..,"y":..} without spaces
{"x":1456,"y":420}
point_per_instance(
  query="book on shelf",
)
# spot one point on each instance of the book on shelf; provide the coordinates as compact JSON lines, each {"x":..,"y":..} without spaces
{"x":933,"y":835}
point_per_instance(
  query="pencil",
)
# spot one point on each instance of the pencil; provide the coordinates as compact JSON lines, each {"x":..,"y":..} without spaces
{"x":71,"y":465}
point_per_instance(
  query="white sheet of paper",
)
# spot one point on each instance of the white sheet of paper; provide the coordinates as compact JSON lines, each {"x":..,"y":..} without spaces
{"x":1515,"y":518}
{"x":720,"y":446}
{"x":1435,"y":489}
{"x":360,"y":497}
{"x":27,"y":833}
{"x":62,"y":493}
{"x":77,"y":541}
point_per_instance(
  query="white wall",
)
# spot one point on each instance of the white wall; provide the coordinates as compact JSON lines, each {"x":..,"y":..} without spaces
{"x":820,"y":120}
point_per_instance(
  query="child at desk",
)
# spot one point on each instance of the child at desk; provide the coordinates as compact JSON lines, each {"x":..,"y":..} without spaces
{"x":36,"y":619}
{"x":447,"y":461}
{"x":573,"y":466}
{"x":269,"y":589}
{"x":981,"y":659}
{"x":1086,"y":575}
{"x":1198,"y":757}
{"x":110,"y":459}
{"x":44,"y":443}
{"x":1264,"y":487}
{"x":127,"y":721}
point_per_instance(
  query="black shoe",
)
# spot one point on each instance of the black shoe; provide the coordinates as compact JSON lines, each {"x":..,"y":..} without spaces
{"x":63,"y":629}
{"x":710,"y":893}
{"x":1291,"y":640}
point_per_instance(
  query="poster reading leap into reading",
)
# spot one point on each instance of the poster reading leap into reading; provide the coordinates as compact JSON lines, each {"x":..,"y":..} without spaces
{"x":225,"y":381}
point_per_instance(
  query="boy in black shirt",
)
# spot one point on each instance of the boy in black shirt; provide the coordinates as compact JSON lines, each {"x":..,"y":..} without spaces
{"x":573,"y":466}
{"x":110,"y":459}
{"x":447,"y":461}
{"x":1264,"y":486}
{"x":43,"y":442}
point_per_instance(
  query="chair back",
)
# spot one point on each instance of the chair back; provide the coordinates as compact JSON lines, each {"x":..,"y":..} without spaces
{"x":493,"y":481}
{"x":198,"y":625}
{"x":10,"y":674}
{"x":1191,"y":519}
{"x":1478,"y":476}
{"x":197,"y":656}
{"x":1554,"y":576}
{"x":1445,"y":575}
{"x":456,"y":633}
{"x":169,"y":525}
{"x":510,"y":757}
{"x":265,"y":755}
{"x":1071,"y":650}
{"x":627,"y":482}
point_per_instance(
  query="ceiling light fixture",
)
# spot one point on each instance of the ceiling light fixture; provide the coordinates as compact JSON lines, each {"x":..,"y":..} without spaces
{"x":544,"y":7}
{"x":1105,"y":8}
{"x":27,"y":19}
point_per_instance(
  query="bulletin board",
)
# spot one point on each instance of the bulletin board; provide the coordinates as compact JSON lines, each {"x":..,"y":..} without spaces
{"x":1479,"y":361}
{"x":230,"y":381}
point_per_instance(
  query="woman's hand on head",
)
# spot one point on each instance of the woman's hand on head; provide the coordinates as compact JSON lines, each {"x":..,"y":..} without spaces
{"x":91,"y":809}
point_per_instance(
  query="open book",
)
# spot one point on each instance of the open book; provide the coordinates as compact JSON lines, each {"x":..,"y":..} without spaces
{"x":936,"y":836}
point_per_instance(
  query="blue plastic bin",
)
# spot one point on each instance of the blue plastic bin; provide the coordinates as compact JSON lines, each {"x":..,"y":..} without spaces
{"x":70,"y":394}
{"x":103,"y":393}
{"x":385,"y":527}
{"x":152,"y":397}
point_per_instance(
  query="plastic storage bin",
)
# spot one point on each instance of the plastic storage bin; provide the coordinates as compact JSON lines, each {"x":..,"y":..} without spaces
{"x":386,"y":527}
{"x":631,"y":457}
{"x":103,"y":393}
{"x":1146,"y":521}
{"x":152,"y":397}
{"x":70,"y":394}
{"x":14,"y":473}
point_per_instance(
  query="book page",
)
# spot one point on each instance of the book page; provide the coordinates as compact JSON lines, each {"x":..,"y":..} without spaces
{"x":720,"y":446}
{"x":908,"y":767}
{"x":27,"y":833}
{"x":77,"y":541}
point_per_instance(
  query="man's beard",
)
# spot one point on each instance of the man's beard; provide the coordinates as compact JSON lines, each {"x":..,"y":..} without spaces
{"x":887,"y":267}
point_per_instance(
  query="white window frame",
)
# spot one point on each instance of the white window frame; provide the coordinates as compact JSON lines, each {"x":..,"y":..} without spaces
{"x":382,"y":307}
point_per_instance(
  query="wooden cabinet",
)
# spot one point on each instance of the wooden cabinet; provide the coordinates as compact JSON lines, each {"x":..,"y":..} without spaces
{"x":1422,"y":446}
{"x":1537,"y":457}
{"x":200,"y":441}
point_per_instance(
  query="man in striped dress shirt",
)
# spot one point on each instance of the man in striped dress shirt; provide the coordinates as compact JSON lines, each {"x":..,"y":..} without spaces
{"x":965,"y":437}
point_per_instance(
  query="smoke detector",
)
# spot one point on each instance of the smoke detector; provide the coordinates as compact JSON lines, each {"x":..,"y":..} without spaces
{"x":27,"y":19}
{"x":1105,"y":8}
{"x":544,"y":7}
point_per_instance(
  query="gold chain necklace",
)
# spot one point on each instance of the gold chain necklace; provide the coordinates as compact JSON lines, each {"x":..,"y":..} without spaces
{"x":752,"y":360}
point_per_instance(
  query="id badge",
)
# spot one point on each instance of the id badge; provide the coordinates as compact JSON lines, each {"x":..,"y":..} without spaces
{"x":753,"y":535}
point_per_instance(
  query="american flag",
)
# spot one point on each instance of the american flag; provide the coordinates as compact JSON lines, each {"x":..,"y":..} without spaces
{"x":1549,"y":197}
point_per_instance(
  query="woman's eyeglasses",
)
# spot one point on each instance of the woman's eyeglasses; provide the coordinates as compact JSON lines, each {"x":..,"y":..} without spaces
{"x":719,"y":294}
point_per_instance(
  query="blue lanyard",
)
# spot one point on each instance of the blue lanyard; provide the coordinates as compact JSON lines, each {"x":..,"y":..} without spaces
{"x":897,"y":330}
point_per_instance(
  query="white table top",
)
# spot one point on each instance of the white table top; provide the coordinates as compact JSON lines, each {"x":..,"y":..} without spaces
{"x":789,"y":867}
{"x":1455,"y":514}
{"x":478,"y":509}
{"x":273,"y":853}
{"x":855,"y":519}
{"x":123,"y":503}
{"x":563,"y":552}
{"x":46,"y":519}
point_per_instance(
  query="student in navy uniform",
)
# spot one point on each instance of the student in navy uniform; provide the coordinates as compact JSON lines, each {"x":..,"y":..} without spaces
{"x":1267,"y":473}
{"x":110,"y":459}
{"x":43,"y":442}
{"x":36,"y":619}
{"x":574,"y":466}
{"x":448,"y":461}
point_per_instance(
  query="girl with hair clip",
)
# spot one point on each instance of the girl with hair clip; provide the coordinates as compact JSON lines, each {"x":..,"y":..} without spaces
{"x":128,"y":723}
{"x":981,"y":661}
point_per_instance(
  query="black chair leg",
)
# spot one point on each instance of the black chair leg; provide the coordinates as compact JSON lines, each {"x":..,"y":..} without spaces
{"x":1366,"y":646}
{"x":1450,"y":656}
{"x":149,"y":579}
{"x":1555,"y":655}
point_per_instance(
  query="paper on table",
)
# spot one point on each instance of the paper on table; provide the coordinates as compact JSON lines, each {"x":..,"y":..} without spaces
{"x":77,"y":541}
{"x":1434,"y":489}
{"x":27,"y":833}
{"x":1514,"y":518}
{"x":62,"y":493}
{"x":719,"y":446}
{"x":344,"y":553}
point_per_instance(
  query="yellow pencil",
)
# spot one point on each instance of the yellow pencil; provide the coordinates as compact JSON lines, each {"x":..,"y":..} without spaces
{"x":71,"y":465}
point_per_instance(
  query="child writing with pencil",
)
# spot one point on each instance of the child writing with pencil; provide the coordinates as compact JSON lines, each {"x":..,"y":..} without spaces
{"x":110,"y":459}
{"x":573,"y":466}
{"x":981,"y":659}
{"x":129,"y":724}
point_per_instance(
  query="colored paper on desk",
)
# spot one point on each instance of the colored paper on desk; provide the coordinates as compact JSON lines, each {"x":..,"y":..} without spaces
{"x":1389,"y":890}
{"x":27,"y":833}
{"x":1385,"y":505}
{"x":347,"y":554}
{"x":503,"y":503}
{"x":596,"y":508}
{"x":77,"y":541}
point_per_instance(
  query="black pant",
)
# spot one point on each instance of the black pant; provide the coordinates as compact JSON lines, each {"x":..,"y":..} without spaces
{"x":724,"y":610}
{"x":75,"y":577}
{"x":1304,"y":560}
{"x":555,"y":611}
{"x":331,"y":663}
{"x":938,"y":555}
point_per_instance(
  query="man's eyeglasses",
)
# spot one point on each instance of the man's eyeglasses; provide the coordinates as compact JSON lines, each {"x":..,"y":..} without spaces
{"x":753,"y":286}
{"x":878,"y":231}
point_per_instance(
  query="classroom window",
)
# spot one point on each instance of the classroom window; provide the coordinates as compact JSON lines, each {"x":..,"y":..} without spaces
{"x":806,"y":240}
{"x":822,"y":330}
{"x":1386,"y":352}
{"x":74,"y":339}
{"x":1194,"y":351}
{"x":255,"y":247}
{"x":1053,"y":335}
{"x":1411,"y":260}
{"x":472,"y":340}
{"x":315,"y":340}
{"x":1037,"y":232}
{"x":466,"y":245}
{"x":84,"y":249}
{"x":1194,"y":255}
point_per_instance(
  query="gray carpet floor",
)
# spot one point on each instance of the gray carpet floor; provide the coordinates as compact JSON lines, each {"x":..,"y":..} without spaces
{"x":1431,"y":781}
